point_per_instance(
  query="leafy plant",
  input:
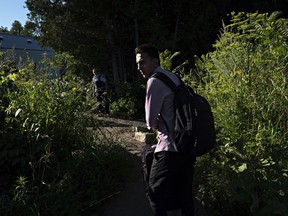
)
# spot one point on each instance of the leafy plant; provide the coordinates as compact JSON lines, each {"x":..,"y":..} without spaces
{"x":54,"y":165}
{"x":245,"y":80}
{"x":130,"y":102}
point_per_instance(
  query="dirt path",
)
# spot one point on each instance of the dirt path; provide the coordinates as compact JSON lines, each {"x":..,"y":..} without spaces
{"x":131,"y":200}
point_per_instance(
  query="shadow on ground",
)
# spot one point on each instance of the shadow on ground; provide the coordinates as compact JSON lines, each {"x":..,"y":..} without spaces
{"x":130,"y":200}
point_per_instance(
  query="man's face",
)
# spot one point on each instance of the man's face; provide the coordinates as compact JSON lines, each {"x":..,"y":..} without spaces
{"x":145,"y":64}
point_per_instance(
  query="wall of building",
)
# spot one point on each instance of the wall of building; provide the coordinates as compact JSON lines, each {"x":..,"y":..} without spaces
{"x":21,"y":48}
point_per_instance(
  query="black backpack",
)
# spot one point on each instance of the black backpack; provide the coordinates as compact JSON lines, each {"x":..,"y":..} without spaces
{"x":194,"y":131}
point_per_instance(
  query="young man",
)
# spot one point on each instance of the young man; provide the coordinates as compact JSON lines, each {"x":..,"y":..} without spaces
{"x":98,"y":85}
{"x":171,"y":177}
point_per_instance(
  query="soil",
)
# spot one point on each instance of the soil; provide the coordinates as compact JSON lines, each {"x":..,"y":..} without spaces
{"x":131,"y":199}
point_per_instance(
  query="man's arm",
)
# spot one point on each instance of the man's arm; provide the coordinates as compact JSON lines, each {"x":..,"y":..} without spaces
{"x":154,"y":100}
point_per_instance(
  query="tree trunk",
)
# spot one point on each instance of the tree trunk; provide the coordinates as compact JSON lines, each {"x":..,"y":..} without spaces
{"x":136,"y":25}
{"x":116,"y":70}
{"x":175,"y":34}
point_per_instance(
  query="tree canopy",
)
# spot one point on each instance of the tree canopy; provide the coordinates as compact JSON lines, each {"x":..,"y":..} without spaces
{"x":103,"y":33}
{"x":18,"y":29}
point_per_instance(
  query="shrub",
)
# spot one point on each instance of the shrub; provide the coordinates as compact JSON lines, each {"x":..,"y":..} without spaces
{"x":130,"y":101}
{"x":53,"y":164}
{"x":245,"y":79}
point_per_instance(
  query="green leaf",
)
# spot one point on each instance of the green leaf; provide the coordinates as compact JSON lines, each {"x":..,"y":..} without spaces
{"x":242,"y":168}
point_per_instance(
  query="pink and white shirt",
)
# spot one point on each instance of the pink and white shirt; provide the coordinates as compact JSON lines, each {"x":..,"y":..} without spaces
{"x":159,"y":104}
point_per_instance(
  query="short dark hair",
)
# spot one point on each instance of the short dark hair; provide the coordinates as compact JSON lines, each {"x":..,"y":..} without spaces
{"x":151,"y":50}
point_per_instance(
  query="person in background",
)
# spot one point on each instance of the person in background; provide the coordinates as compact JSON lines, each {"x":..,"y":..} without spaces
{"x":171,"y":177}
{"x":99,"y":91}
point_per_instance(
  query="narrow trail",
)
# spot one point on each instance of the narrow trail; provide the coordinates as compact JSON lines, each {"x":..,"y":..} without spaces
{"x":131,"y":199}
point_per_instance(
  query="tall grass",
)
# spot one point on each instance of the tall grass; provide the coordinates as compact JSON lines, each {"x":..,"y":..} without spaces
{"x":50,"y":163}
{"x":245,"y":79}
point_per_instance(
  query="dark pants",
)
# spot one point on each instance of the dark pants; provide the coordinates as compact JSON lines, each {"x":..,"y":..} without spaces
{"x":171,"y":183}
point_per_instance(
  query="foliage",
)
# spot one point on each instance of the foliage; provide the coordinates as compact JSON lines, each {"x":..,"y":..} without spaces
{"x":4,"y":29}
{"x":130,"y":101}
{"x":52,"y":164}
{"x":245,"y":80}
{"x":166,"y":59}
{"x":29,"y":29}
{"x":104,"y":35}
{"x":16,"y":28}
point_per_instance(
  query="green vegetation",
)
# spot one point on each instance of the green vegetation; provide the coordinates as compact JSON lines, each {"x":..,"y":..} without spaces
{"x":55,"y":166}
{"x":104,"y":35}
{"x":51,"y":164}
{"x":245,"y":79}
{"x":129,"y":101}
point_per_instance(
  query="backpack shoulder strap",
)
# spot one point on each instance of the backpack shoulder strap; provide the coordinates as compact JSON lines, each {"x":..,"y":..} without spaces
{"x":164,"y":78}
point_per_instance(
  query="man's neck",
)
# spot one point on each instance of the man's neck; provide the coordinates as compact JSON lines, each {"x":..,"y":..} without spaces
{"x":155,"y":70}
